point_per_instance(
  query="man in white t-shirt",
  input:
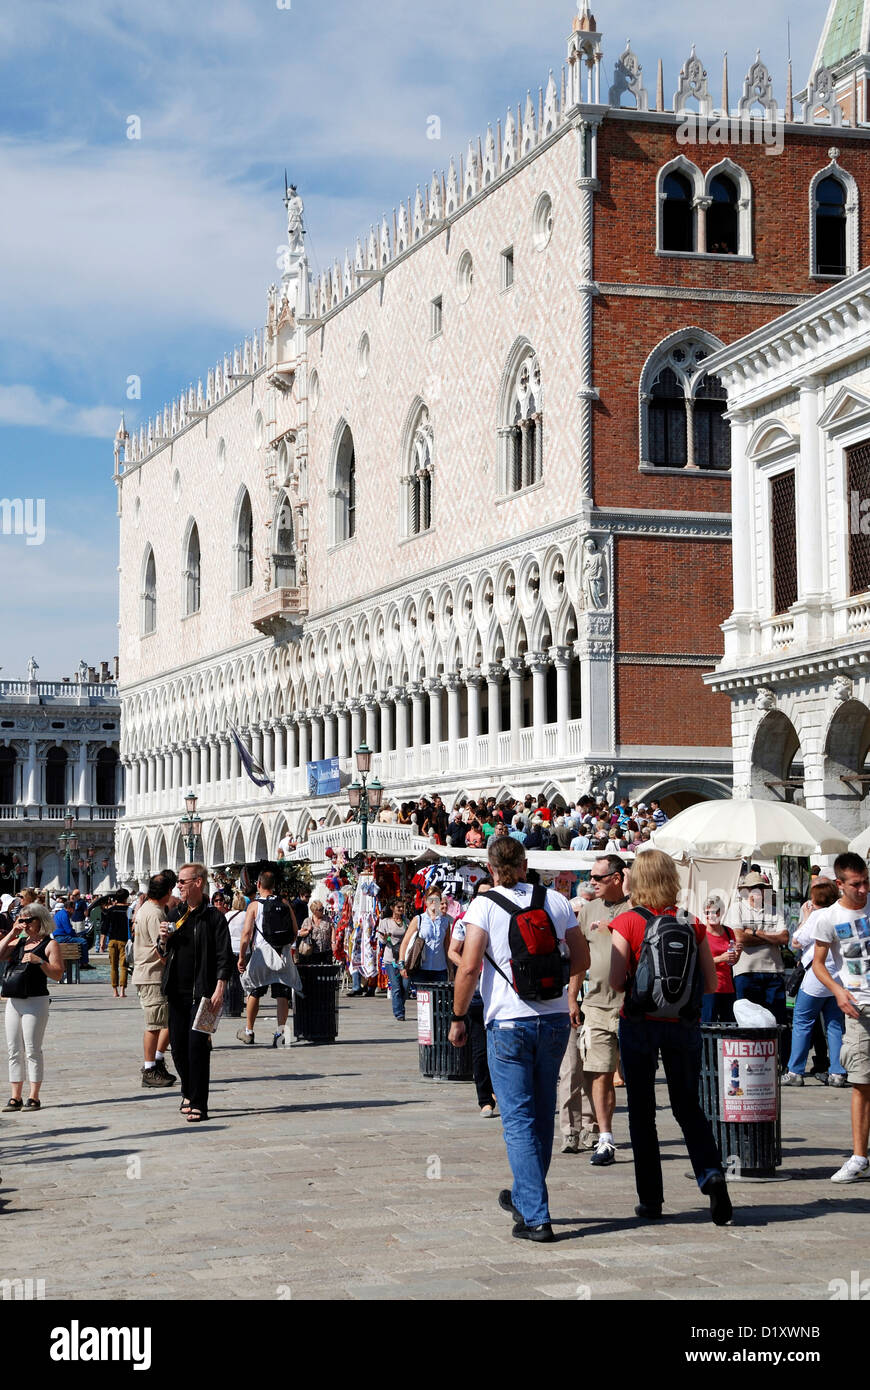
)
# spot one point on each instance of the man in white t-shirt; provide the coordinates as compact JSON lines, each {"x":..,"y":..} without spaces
{"x":844,"y":931}
{"x":526,"y":1039}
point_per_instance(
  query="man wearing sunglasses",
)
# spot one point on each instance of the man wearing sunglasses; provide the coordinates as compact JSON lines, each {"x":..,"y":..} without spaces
{"x":592,"y":1055}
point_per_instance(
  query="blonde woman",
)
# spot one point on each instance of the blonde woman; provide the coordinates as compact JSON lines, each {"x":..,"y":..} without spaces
{"x":34,"y":959}
{"x":655,"y":888}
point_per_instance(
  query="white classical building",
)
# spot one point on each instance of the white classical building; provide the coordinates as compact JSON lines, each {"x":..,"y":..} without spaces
{"x":466,"y":495}
{"x":797,"y":645}
{"x":59,"y":758}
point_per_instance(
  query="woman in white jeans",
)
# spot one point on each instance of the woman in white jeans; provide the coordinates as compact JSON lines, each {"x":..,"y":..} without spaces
{"x":28,"y":944}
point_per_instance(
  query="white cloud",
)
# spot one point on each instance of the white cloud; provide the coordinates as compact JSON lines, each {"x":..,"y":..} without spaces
{"x":22,"y":405}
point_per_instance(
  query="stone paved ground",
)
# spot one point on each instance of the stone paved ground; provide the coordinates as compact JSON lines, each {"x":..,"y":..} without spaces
{"x":336,"y":1172}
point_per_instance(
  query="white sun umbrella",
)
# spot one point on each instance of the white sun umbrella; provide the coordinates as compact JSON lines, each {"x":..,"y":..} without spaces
{"x":743,"y":828}
{"x":861,"y":843}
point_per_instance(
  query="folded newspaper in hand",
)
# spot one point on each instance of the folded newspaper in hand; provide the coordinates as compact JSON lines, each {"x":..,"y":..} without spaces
{"x":207,"y":1018}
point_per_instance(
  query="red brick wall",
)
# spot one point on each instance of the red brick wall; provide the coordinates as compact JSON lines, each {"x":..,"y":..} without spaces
{"x":671,"y":598}
{"x":626,"y":330}
{"x":667,"y":705}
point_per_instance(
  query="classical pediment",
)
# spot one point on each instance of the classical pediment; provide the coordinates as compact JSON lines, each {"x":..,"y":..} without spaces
{"x":849,"y":407}
{"x":772,"y":441}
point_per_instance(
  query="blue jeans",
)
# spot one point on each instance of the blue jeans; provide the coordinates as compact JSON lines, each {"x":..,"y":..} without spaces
{"x":640,"y":1042}
{"x":717,"y":1008}
{"x":399,"y":990}
{"x":524,"y":1056}
{"x":807,"y":1008}
{"x":768,"y":989}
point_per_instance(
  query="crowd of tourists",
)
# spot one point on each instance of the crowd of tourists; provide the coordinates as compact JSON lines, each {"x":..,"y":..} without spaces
{"x":553,"y":1028}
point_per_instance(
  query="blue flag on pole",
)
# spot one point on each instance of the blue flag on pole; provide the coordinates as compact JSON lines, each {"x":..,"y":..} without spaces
{"x":257,"y":773}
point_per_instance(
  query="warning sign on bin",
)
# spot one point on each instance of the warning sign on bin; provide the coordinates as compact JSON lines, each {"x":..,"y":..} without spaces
{"x":747,"y":1079}
{"x":424,"y":1018}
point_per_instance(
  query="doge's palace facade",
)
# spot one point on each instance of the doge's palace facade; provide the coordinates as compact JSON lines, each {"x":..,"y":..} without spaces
{"x":466,"y":495}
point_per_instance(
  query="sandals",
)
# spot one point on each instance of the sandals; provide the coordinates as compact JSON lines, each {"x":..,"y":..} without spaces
{"x":33,"y":1104}
{"x":196,"y":1117}
{"x":184,"y":1107}
{"x":14,"y":1104}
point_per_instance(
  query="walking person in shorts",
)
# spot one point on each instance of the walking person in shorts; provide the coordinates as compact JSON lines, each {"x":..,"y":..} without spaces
{"x":148,"y":965}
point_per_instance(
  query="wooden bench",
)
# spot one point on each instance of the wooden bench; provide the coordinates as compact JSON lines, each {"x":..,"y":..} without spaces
{"x":71,"y":955}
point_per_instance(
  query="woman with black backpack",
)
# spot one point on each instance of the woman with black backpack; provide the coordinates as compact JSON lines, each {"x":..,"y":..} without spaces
{"x":662,"y":959}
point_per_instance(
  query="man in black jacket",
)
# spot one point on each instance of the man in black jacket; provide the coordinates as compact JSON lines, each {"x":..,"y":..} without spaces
{"x":199,"y":960}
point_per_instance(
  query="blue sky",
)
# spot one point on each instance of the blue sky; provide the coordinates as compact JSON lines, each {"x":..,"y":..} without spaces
{"x":152,"y":257}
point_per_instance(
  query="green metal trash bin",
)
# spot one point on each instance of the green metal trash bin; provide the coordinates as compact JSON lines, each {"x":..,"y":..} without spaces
{"x":740,"y":1095}
{"x":439,"y":1059}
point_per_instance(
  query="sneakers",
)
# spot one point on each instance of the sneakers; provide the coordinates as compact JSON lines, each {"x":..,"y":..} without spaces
{"x":823,"y":1077}
{"x":838,"y":1080}
{"x":543,"y":1233}
{"x":853,"y":1169}
{"x":247,"y":1038}
{"x":153,"y":1078}
{"x":721,"y":1210}
{"x":604,"y":1155}
{"x":571,"y":1144}
{"x":279,"y":1040}
{"x":791,"y":1078}
{"x":589,"y":1139}
{"x":162,"y":1068}
{"x":504,"y":1201}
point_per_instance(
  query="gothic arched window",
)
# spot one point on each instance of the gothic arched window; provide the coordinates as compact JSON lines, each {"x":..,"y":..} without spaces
{"x":678,"y":213}
{"x":343,"y":489}
{"x":192,"y":562}
{"x":723,"y":232}
{"x":683,"y":408}
{"x":526,"y":455}
{"x":244,"y":543}
{"x":418,"y":480}
{"x":283,"y":546}
{"x":833,"y":223}
{"x":148,"y":613}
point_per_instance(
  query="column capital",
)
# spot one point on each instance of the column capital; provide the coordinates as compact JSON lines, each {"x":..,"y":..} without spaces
{"x":561,"y":656}
{"x":416,"y":689}
{"x":399,"y":695}
{"x":338,"y":707}
{"x":515,"y":667}
{"x":433,"y":685}
{"x":810,"y":383}
{"x":354,"y":704}
{"x":473,"y":678}
{"x":537,"y":662}
{"x":495,"y":673}
{"x":451,"y":681}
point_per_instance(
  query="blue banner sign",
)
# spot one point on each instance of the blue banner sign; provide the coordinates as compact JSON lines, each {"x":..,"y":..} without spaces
{"x":324,"y":778}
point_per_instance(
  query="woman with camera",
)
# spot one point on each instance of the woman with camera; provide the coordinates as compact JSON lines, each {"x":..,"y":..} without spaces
{"x":34,"y":959}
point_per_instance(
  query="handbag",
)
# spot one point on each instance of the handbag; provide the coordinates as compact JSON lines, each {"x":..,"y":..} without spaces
{"x":14,"y":981}
{"x":794,"y":980}
{"x":414,"y":953}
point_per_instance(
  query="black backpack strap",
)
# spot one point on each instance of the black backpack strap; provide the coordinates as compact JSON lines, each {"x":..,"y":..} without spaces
{"x":504,"y":903}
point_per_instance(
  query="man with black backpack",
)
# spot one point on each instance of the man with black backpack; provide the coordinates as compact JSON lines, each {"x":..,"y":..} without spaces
{"x":518,"y":933}
{"x":276,"y":923}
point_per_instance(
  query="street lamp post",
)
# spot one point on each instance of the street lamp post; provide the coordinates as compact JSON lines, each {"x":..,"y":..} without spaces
{"x":365,"y":798}
{"x":68,"y":844}
{"x":191,"y":824}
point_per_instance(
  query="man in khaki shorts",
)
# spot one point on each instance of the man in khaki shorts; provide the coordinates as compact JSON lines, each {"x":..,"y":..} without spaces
{"x":592,"y":1055}
{"x":148,"y":966}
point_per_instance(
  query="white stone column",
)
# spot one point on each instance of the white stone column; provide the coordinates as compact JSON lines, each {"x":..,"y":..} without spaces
{"x":304,"y":745}
{"x":356,"y":724}
{"x":494,"y":678}
{"x":538,"y":663}
{"x":225,"y":761}
{"x":516,"y":674}
{"x":316,"y":735}
{"x":562,"y":658}
{"x":344,"y":722}
{"x":292,"y":750}
{"x":371,"y":709}
{"x":451,"y":682}
{"x":186,"y":770}
{"x":434,"y":688}
{"x":268,"y":750}
{"x":82,"y":797}
{"x":30,"y":776}
{"x":256,"y":744}
{"x":329,"y":732}
{"x":418,"y":703}
{"x":401,"y":706}
{"x":809,"y":495}
{"x":472,"y":684}
{"x":235,"y":761}
{"x":203,"y":765}
{"x":386,"y":723}
{"x":280,"y":746}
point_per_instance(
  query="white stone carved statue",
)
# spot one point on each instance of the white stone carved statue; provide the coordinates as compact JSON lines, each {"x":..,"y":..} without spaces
{"x":594,"y":576}
{"x":295,"y":228}
{"x":765,"y":700}
{"x":842,"y":689}
{"x":32,"y":669}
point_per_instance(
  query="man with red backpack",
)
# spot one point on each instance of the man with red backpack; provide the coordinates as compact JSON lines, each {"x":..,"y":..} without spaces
{"x":519,"y":935}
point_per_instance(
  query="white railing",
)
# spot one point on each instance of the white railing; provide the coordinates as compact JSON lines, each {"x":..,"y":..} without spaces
{"x":858,"y":615}
{"x":550,"y":740}
{"x":58,"y":813}
{"x":380,"y":839}
{"x":106,"y":690}
{"x":504,"y":749}
{"x":527,"y":745}
{"x":782,"y":632}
